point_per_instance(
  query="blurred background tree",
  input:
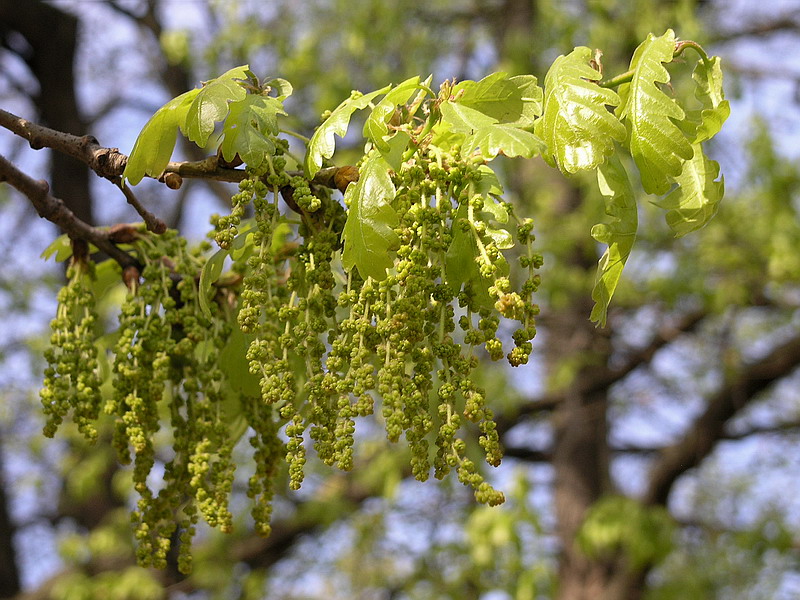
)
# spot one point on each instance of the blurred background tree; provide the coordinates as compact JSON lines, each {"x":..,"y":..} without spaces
{"x":654,"y":458}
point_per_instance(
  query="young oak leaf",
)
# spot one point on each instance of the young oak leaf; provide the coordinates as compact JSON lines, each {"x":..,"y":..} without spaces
{"x":156,"y":141}
{"x":322,"y":143}
{"x":619,"y":234}
{"x":248,"y":126}
{"x":210,"y":105}
{"x":377,"y":124}
{"x":464,"y":119}
{"x":503,"y":139}
{"x":461,"y":266}
{"x":696,"y":199}
{"x":368,"y":233}
{"x":495,"y":96}
{"x":708,"y":89}
{"x":657,"y":144}
{"x":576,"y":124}
{"x":532,"y":97}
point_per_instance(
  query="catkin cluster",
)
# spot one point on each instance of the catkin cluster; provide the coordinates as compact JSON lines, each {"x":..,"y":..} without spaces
{"x":325,"y":345}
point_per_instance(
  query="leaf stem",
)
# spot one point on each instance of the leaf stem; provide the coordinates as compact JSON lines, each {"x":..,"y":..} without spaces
{"x":683,"y":44}
{"x":294,"y":134}
{"x":627,"y":76}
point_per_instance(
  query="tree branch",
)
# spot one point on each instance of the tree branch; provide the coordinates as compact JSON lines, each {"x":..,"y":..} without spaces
{"x":604,"y":377}
{"x":110,"y":162}
{"x":709,"y":427}
{"x":54,"y":210}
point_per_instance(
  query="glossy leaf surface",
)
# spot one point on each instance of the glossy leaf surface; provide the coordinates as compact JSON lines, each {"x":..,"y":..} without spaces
{"x":576,"y":124}
{"x":619,"y":235}
{"x":657,"y":144}
{"x":369,"y":237}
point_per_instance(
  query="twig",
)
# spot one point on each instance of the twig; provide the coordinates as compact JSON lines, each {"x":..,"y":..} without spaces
{"x":54,"y":210}
{"x":152,"y":222}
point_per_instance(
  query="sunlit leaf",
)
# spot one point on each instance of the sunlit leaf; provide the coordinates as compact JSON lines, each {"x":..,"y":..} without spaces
{"x":657,"y":144}
{"x":322,"y":143}
{"x":532,"y":97}
{"x":708,"y":89}
{"x":696,"y":199}
{"x":247,"y":129}
{"x":489,"y":183}
{"x":368,"y":234}
{"x":376,"y":125}
{"x":576,"y":124}
{"x":504,"y":139}
{"x":464,"y":119}
{"x":210,"y":104}
{"x":495,"y":96}
{"x":281,"y":86}
{"x":156,"y":141}
{"x":395,"y":149}
{"x":619,"y":234}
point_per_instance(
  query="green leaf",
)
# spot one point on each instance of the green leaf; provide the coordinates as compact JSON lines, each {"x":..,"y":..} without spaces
{"x":208,"y":275}
{"x":61,"y":247}
{"x":376,"y":126}
{"x":322,"y":143}
{"x":210,"y":105}
{"x":395,"y":149}
{"x":281,"y":86}
{"x":504,"y":139}
{"x":156,"y":141}
{"x":708,"y":89}
{"x":696,"y":199}
{"x":489,"y":183}
{"x":657,"y":144}
{"x":464,"y":119}
{"x":532,"y":96}
{"x":495,"y":96}
{"x":247,"y":129}
{"x":619,"y":234}
{"x":460,"y":265}
{"x":576,"y":124}
{"x":461,"y":268}
{"x":107,"y":276}
{"x":234,"y":364}
{"x":368,"y":233}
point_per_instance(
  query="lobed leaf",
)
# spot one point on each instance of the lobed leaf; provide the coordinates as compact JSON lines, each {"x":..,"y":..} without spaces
{"x":532,"y":96}
{"x":619,"y":234}
{"x":464,"y":119}
{"x":503,"y":139}
{"x":461,"y":266}
{"x":696,"y":199}
{"x":368,"y":234}
{"x":657,"y":144}
{"x":576,"y":125}
{"x":61,"y":248}
{"x":495,"y":96}
{"x":210,"y":105}
{"x":281,"y":86}
{"x":248,"y":127}
{"x":377,"y":124}
{"x":210,"y":272}
{"x":322,"y":143}
{"x":708,"y":89}
{"x":156,"y":141}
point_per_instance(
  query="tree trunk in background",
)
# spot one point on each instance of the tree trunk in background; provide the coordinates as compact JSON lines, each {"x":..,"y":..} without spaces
{"x":9,"y":569}
{"x":51,"y":36}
